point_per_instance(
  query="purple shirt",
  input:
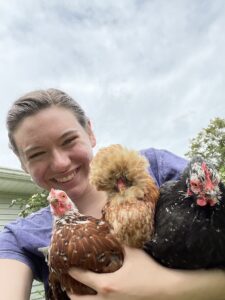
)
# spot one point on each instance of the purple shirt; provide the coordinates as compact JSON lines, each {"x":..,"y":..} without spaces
{"x":21,"y":238}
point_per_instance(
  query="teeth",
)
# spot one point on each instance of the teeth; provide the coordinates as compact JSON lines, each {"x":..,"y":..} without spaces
{"x":66,"y":178}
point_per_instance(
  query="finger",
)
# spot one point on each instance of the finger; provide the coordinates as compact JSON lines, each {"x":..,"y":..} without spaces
{"x":83,"y":297}
{"x":86,"y":277}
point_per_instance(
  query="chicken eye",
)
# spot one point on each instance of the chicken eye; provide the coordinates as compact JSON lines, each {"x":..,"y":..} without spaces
{"x":62,"y":195}
{"x":195,"y":184}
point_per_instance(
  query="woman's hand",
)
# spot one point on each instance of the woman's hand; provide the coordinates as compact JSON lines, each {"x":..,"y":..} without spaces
{"x":142,"y":278}
{"x":139,"y":278}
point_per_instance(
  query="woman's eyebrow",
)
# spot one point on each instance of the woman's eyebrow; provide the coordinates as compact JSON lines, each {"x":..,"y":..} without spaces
{"x":68,"y":133}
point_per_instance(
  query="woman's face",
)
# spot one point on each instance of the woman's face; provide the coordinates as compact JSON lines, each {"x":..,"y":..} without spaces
{"x":56,"y":150}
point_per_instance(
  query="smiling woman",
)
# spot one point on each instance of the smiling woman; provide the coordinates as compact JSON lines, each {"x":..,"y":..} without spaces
{"x":58,"y":154}
{"x":53,"y":139}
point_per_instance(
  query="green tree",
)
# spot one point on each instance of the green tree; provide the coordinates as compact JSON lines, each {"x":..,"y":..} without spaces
{"x":210,"y":144}
{"x":32,"y":204}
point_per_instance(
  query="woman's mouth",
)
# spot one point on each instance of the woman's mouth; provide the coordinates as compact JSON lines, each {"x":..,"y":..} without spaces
{"x":66,"y":178}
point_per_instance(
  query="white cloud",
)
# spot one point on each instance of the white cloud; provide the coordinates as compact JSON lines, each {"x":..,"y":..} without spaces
{"x":148,"y":73}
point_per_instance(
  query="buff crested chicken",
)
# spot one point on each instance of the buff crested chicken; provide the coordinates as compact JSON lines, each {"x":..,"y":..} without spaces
{"x":190,"y":219}
{"x":131,"y":193}
{"x":78,"y":241}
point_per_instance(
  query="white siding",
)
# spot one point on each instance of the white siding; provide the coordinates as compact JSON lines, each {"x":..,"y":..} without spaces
{"x":7,"y":213}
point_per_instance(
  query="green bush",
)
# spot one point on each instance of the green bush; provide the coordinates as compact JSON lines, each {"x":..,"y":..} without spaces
{"x":32,"y":204}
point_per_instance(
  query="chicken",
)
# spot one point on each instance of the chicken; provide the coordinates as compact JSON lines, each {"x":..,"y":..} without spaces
{"x":190,"y":220}
{"x":131,"y":193}
{"x":78,"y":241}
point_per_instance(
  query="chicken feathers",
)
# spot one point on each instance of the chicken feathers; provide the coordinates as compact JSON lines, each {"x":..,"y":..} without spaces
{"x":190,"y":220}
{"x":131,"y":193}
{"x":78,"y":241}
{"x":95,"y":244}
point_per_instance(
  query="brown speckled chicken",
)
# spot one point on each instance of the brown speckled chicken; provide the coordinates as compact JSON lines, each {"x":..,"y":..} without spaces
{"x":80,"y":241}
{"x":131,"y":193}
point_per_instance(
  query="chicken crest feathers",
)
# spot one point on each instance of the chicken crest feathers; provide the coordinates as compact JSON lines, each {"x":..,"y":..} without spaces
{"x":114,"y":162}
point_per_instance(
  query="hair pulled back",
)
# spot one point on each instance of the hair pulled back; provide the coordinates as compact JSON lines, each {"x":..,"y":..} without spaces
{"x":35,"y":101}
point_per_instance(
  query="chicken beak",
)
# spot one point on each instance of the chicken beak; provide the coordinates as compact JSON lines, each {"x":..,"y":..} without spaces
{"x":121,"y":184}
{"x":52,"y":200}
{"x":212,"y":198}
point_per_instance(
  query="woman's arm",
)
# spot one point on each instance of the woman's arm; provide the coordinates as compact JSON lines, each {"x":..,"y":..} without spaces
{"x":15,"y":280}
{"x":142,"y":278}
{"x":201,"y":285}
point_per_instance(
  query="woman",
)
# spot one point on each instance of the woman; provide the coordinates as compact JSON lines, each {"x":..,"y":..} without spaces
{"x":53,"y":138}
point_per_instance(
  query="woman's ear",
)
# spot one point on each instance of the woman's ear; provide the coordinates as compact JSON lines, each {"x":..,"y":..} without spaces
{"x":91,"y":134}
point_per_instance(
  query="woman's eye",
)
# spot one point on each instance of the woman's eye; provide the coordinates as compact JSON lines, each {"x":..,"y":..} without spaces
{"x":35,"y":155}
{"x":68,"y":141}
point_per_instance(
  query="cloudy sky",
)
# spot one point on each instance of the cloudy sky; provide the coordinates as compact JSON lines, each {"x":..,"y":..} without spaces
{"x":148,"y":72}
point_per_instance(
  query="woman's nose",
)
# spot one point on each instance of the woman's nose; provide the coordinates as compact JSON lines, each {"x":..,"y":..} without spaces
{"x":60,"y":161}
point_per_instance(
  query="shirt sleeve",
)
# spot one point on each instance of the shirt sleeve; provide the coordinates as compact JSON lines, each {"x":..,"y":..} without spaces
{"x":164,"y":165}
{"x":22,"y":238}
{"x":10,"y":249}
{"x":170,"y":166}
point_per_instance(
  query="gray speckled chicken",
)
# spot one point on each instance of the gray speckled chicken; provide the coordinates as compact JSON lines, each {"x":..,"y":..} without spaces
{"x":190,"y":220}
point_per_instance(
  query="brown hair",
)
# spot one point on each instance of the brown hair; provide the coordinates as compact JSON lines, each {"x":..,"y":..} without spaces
{"x":36,"y":101}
